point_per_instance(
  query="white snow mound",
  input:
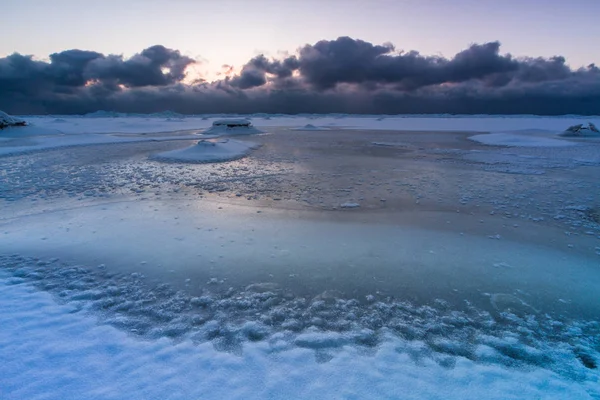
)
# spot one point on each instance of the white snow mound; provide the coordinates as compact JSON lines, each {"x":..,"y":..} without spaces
{"x":208,"y":151}
{"x":232,"y":127}
{"x":527,"y":138}
{"x":310,"y":127}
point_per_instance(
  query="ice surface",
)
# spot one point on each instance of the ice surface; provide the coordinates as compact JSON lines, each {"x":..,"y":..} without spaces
{"x":123,"y":123}
{"x":245,"y":279}
{"x":28,"y":131}
{"x":308,"y":254}
{"x":523,"y":139}
{"x":52,"y":350}
{"x":31,"y":139}
{"x":581,"y":131}
{"x":216,"y":150}
{"x":103,"y":127}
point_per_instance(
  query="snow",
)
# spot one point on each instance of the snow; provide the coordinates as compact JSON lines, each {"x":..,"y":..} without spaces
{"x":154,"y":123}
{"x":59,"y":351}
{"x":47,"y":132}
{"x":8,"y":120}
{"x":39,"y":139}
{"x":232,"y":123}
{"x":208,"y":151}
{"x":310,"y":127}
{"x":523,"y":139}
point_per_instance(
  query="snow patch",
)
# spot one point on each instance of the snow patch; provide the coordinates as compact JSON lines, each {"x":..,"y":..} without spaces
{"x":350,"y":205}
{"x":110,"y":122}
{"x":207,"y":151}
{"x":51,"y":350}
{"x":39,"y":139}
{"x":310,"y":127}
{"x":521,"y":139}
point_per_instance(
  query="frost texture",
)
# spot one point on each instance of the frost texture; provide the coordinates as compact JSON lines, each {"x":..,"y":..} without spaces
{"x":512,"y":336}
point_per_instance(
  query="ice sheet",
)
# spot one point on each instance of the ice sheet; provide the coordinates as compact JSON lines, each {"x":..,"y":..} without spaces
{"x":523,"y":139}
{"x":208,"y":301}
{"x":55,"y":140}
{"x":47,"y":132}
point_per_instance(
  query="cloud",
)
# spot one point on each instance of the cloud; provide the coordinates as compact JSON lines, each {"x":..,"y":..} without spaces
{"x":344,"y":75}
{"x":254,"y":73}
{"x":345,"y":60}
{"x":155,"y":66}
{"x":74,"y":69}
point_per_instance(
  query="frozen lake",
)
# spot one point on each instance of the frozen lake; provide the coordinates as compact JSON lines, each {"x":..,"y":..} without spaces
{"x":189,"y":244}
{"x":366,"y":233}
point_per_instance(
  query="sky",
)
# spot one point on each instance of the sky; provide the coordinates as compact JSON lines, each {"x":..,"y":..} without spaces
{"x":232,"y":32}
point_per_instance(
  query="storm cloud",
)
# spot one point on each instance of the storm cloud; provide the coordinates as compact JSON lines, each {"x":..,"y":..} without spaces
{"x":331,"y":76}
{"x":254,"y":73}
{"x":70,"y":70}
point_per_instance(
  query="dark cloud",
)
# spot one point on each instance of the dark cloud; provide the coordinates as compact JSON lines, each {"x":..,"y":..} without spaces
{"x":155,"y":66}
{"x":254,"y":73}
{"x":70,"y":70}
{"x":22,"y":75}
{"x":67,"y":68}
{"x":337,"y":76}
{"x":249,"y":78}
{"x":345,"y":60}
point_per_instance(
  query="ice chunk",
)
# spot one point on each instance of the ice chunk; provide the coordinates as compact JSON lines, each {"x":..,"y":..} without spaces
{"x":581,"y":131}
{"x":8,"y":120}
{"x":232,"y":127}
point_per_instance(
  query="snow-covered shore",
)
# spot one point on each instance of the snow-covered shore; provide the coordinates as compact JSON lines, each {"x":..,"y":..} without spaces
{"x":124,"y":123}
{"x":56,"y":351}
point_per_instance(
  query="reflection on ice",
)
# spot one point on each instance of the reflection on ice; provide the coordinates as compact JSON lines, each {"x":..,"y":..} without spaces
{"x":191,"y":245}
